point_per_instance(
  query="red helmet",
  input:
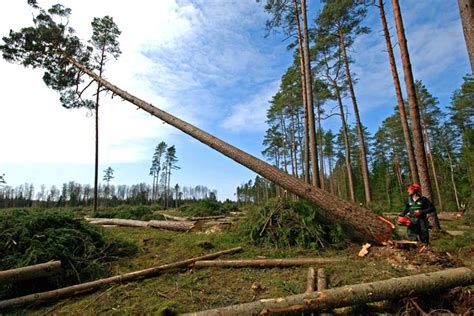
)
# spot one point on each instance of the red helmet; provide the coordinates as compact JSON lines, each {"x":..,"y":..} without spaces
{"x":403,"y":220}
{"x":415,"y":187}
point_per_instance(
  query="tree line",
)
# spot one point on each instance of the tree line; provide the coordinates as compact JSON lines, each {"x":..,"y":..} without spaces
{"x":419,"y":142}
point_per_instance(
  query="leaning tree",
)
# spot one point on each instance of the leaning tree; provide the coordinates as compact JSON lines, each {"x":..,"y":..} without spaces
{"x":53,"y":46}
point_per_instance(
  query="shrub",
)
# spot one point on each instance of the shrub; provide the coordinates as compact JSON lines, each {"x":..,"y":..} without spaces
{"x":285,"y":223}
{"x":140,"y":212}
{"x":208,"y":208}
{"x":28,"y":238}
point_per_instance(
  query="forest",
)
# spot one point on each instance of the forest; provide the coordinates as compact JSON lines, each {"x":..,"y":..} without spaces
{"x":295,"y":231}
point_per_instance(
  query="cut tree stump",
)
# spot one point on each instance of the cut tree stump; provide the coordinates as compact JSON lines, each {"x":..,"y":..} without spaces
{"x":29,"y":272}
{"x":310,"y":280}
{"x":352,"y":294}
{"x":264,"y":263}
{"x":95,"y":285}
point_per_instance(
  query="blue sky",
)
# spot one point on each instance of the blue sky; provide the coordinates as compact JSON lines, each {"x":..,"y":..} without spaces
{"x":208,"y":63}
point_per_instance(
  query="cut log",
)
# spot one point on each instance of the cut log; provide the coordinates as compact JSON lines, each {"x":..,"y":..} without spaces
{"x":310,"y":280}
{"x":170,"y":225}
{"x":322,"y":280}
{"x":264,"y":263}
{"x":448,"y":216}
{"x":368,"y":224}
{"x":352,"y":294}
{"x":29,"y":272}
{"x":175,"y":218}
{"x":95,"y":285}
{"x":118,"y":222}
{"x":203,"y":218}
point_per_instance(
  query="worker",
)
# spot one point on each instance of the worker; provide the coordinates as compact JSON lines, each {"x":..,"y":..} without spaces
{"x":417,"y":207}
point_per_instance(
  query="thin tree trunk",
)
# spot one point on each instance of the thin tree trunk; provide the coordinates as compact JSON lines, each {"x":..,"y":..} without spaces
{"x":466,"y":9}
{"x":331,"y":176}
{"x":387,"y":187}
{"x":452,"y":179}
{"x":303,"y":90}
{"x":433,"y":169}
{"x":346,"y":144}
{"x":285,"y":142}
{"x":321,"y":156}
{"x":370,"y":225}
{"x":309,"y":98}
{"x":360,"y":132}
{"x":356,"y":294}
{"x":414,"y":113}
{"x":95,"y":285}
{"x":294,"y":156}
{"x":398,"y":91}
{"x":29,"y":272}
{"x":264,"y":263}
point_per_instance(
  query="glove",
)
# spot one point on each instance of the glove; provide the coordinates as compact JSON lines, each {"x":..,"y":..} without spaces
{"x":417,"y":213}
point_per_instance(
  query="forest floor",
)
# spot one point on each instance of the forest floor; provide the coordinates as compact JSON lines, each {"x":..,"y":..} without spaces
{"x":189,"y":290}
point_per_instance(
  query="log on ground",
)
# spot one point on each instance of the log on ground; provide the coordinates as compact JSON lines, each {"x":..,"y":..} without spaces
{"x":264,"y":263}
{"x":352,"y":294}
{"x":173,"y":225}
{"x":95,"y":285}
{"x":118,"y":222}
{"x":29,"y":272}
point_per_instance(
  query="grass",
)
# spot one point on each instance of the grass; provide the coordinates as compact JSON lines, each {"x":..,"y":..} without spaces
{"x":200,"y":289}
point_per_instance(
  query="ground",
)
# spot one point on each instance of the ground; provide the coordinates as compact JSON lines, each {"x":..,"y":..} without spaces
{"x":199,"y":289}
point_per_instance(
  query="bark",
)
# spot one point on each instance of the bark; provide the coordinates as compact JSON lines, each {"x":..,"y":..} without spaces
{"x":265,"y":263}
{"x":420,"y":154}
{"x":360,"y":132}
{"x":309,"y":99}
{"x":394,"y":288}
{"x":95,"y":285}
{"x":118,"y":222}
{"x":322,"y":280}
{"x":369,"y":225}
{"x":466,"y":9}
{"x":320,"y":146}
{"x":398,"y":91}
{"x":310,"y":280}
{"x":169,"y":225}
{"x":29,"y":272}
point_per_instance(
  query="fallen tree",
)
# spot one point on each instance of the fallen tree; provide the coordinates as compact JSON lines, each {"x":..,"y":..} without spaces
{"x":168,"y":225}
{"x":52,"y":47}
{"x":351,"y":294}
{"x":264,"y":263}
{"x":29,"y":272}
{"x":95,"y":285}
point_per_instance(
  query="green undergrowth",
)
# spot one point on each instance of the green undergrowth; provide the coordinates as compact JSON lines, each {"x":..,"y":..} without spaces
{"x":33,"y":237}
{"x":286,"y":223}
{"x":140,"y":212}
{"x":208,"y":208}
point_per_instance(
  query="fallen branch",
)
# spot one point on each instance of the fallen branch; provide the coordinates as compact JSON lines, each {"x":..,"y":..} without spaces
{"x":352,"y":294}
{"x":94,"y":285}
{"x":29,"y":272}
{"x":264,"y":263}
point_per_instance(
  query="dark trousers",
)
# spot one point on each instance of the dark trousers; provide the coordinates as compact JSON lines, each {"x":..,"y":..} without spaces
{"x":419,"y":231}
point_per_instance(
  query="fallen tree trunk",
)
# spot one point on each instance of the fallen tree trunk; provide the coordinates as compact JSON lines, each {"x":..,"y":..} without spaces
{"x":203,"y":218}
{"x":169,"y":225}
{"x":352,"y":294}
{"x":94,"y":285}
{"x":264,"y":263}
{"x":118,"y":222}
{"x":175,"y":218}
{"x":369,"y":225}
{"x":29,"y":272}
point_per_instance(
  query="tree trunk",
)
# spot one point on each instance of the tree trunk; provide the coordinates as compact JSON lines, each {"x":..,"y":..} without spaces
{"x":346,"y":144}
{"x":422,"y":164}
{"x":320,"y":146}
{"x":95,"y":285}
{"x":398,"y":91}
{"x":303,"y":90}
{"x":264,"y":263}
{"x":169,"y":225}
{"x":310,"y":280}
{"x":309,"y":98}
{"x":368,"y":224}
{"x":360,"y":131}
{"x":451,"y":168}
{"x":466,"y":9}
{"x":394,"y":288}
{"x":433,"y":169}
{"x":29,"y":272}
{"x":285,"y":142}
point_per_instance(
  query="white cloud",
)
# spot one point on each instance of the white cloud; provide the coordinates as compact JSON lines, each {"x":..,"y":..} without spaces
{"x":250,"y":115}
